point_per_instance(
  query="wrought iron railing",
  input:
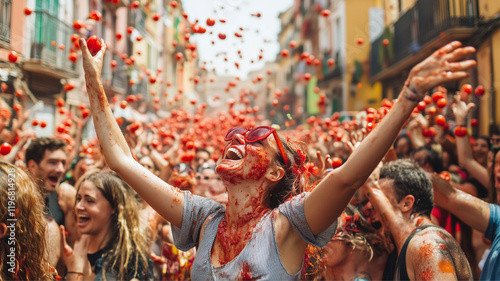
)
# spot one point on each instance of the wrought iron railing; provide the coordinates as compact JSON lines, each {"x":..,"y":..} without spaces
{"x":424,"y":22}
{"x":46,"y":34}
{"x":5,"y":19}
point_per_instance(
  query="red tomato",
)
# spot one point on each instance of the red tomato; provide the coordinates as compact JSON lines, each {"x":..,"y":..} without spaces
{"x":17,"y":107}
{"x":34,"y":122}
{"x":284,"y":53}
{"x":173,"y":4}
{"x":441,"y":103}
{"x":28,"y":11}
{"x":307,"y":76}
{"x":370,"y":117}
{"x":440,"y":120}
{"x":94,"y":45}
{"x":156,"y":17}
{"x":336,"y":162}
{"x":13,"y":56}
{"x":479,"y":91}
{"x":134,"y":127}
{"x":68,"y":87}
{"x":131,"y":98}
{"x":85,"y":113}
{"x":431,"y":110}
{"x":437,"y":96}
{"x":360,"y":41}
{"x":95,"y":15}
{"x":43,"y":124}
{"x":5,"y":148}
{"x":445,"y":175}
{"x":474,"y":122}
{"x":123,"y":104}
{"x":222,"y":36}
{"x":421,"y":106}
{"x":19,"y":93}
{"x":210,"y":21}
{"x":385,"y":42}
{"x":73,"y":56}
{"x":467,"y":88}
{"x":155,"y":143}
{"x":325,"y":13}
{"x":77,"y":24}
{"x":60,"y":102}
{"x":61,"y":128}
{"x":460,"y":131}
{"x":427,"y":100}
{"x":135,"y":4}
{"x":189,"y":145}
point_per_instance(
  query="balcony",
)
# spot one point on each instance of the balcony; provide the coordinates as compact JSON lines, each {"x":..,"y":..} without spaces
{"x":46,"y":33}
{"x":114,"y":81}
{"x":5,"y":19}
{"x":421,"y":30}
{"x":329,"y":73}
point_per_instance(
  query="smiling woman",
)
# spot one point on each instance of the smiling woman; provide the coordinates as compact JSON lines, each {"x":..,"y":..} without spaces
{"x":260,"y":234}
{"x":113,"y":244}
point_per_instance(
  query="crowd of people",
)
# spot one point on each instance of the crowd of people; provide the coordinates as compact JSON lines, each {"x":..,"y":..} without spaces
{"x":393,"y":194}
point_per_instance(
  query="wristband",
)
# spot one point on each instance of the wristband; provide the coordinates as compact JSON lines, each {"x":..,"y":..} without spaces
{"x":411,"y":94}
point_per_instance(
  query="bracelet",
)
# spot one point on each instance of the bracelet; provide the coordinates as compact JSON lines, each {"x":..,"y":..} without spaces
{"x":412,"y":94}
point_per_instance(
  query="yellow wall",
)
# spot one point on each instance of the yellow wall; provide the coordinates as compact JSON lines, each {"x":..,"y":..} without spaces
{"x":357,"y":26}
{"x":489,"y":8}
{"x":483,"y":76}
{"x":486,"y":53}
{"x":496,"y":70}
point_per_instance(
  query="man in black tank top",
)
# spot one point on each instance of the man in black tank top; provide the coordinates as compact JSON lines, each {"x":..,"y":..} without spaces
{"x":402,"y":201}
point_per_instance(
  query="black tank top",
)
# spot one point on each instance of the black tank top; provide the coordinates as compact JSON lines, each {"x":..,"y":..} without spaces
{"x":401,"y":273}
{"x":463,"y":271}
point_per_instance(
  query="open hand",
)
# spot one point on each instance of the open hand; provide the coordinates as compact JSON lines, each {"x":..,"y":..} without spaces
{"x":442,"y":66}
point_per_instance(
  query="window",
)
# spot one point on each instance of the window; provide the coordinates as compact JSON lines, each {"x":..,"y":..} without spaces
{"x":5,"y":17}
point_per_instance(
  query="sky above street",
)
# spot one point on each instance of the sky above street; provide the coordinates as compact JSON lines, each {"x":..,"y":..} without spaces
{"x":258,"y":33}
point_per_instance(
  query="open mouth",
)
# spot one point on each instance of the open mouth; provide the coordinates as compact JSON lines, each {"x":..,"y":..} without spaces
{"x":233,"y":154}
{"x":376,"y":224}
{"x":53,"y":180}
{"x":82,"y":220}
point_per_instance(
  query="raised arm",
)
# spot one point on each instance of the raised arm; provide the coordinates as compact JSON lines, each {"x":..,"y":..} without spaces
{"x":470,"y":209}
{"x":330,"y":197}
{"x":167,"y":200}
{"x":392,"y":218}
{"x":464,"y":149}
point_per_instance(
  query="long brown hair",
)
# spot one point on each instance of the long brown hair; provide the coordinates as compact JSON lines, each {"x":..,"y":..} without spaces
{"x":128,"y":249}
{"x":29,"y":235}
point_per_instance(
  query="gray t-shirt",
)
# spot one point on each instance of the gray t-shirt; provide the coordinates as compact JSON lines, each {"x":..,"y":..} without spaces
{"x":260,"y":258}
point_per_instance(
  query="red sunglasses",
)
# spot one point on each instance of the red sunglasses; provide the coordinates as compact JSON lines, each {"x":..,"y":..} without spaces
{"x":258,"y":134}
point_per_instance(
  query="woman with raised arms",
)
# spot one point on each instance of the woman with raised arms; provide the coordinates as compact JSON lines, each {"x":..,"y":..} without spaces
{"x":260,"y":234}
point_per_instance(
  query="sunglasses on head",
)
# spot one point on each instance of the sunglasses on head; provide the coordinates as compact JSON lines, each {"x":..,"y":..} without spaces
{"x":258,"y":134}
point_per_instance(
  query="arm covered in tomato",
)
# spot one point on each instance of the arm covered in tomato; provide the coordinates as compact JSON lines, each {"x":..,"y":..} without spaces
{"x":331,"y":196}
{"x":167,"y":200}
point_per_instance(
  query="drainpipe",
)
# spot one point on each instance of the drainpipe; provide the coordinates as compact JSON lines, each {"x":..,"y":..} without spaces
{"x":492,"y":86}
